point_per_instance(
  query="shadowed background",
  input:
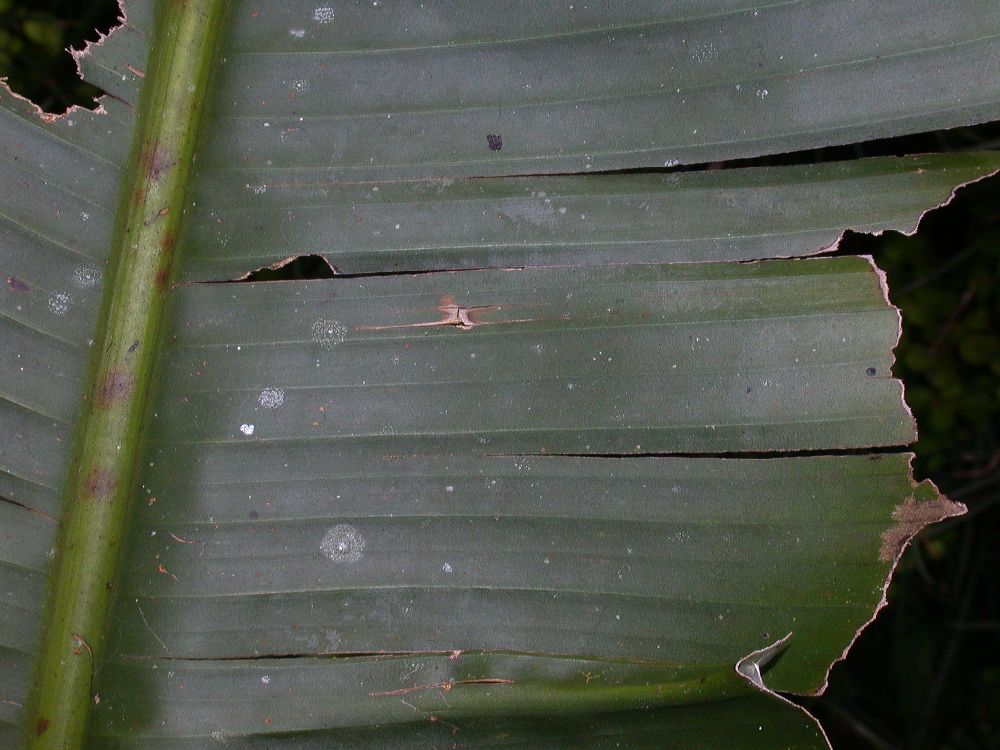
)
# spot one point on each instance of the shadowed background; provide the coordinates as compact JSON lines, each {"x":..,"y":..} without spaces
{"x":927,"y":673}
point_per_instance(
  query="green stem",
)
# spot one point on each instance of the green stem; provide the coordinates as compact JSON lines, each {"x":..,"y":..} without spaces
{"x":107,"y":447}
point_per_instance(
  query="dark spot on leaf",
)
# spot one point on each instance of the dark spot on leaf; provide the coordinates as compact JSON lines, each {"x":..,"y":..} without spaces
{"x":17,"y":285}
{"x":99,"y":484}
{"x":749,"y":388}
{"x":870,"y":371}
{"x":41,"y":726}
{"x":254,"y":515}
{"x":133,"y":347}
{"x":109,"y":585}
{"x":495,"y":142}
{"x":115,"y":386}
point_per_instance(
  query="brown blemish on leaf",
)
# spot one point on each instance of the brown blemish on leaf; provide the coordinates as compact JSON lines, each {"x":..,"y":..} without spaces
{"x":99,"y":485}
{"x":80,"y":644}
{"x":909,"y":518}
{"x":116,"y":386}
{"x":17,"y":285}
{"x":41,"y":726}
{"x":458,"y":316}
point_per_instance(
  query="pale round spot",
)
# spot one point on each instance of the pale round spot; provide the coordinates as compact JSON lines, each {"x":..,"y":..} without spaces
{"x":323,"y":14}
{"x":343,"y":543}
{"x":271,"y":398}
{"x":87,"y":277}
{"x":297,"y":33}
{"x":247,"y":429}
{"x":59,"y":303}
{"x":328,"y":333}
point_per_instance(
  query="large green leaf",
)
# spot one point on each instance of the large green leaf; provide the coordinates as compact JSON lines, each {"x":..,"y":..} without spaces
{"x":546,"y":500}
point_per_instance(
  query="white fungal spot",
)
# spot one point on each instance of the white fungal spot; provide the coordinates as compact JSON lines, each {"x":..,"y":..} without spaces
{"x":704,"y":53}
{"x":300,"y":85}
{"x":671,"y":162}
{"x":297,"y":33}
{"x":84,"y":216}
{"x":332,"y":640}
{"x":247,"y":429}
{"x":323,"y":14}
{"x":343,"y":543}
{"x":328,"y":333}
{"x":271,"y":398}
{"x":446,"y":568}
{"x":534,"y":212}
{"x":266,"y":680}
{"x":59,"y":303}
{"x":87,"y":277}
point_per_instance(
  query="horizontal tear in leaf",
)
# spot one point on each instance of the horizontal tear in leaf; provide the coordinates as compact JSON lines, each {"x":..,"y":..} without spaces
{"x":393,"y":227}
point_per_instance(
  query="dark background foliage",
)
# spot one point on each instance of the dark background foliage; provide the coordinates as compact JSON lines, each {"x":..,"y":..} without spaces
{"x":926,"y":674}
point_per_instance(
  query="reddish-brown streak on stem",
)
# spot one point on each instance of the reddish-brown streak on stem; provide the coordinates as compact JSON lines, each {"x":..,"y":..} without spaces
{"x":139,"y":194}
{"x":156,"y":161}
{"x":116,"y":386}
{"x":167,"y":244}
{"x":99,"y":484}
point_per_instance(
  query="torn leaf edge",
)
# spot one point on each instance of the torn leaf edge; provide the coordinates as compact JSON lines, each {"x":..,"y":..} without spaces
{"x":77,"y":55}
{"x":749,"y":669}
